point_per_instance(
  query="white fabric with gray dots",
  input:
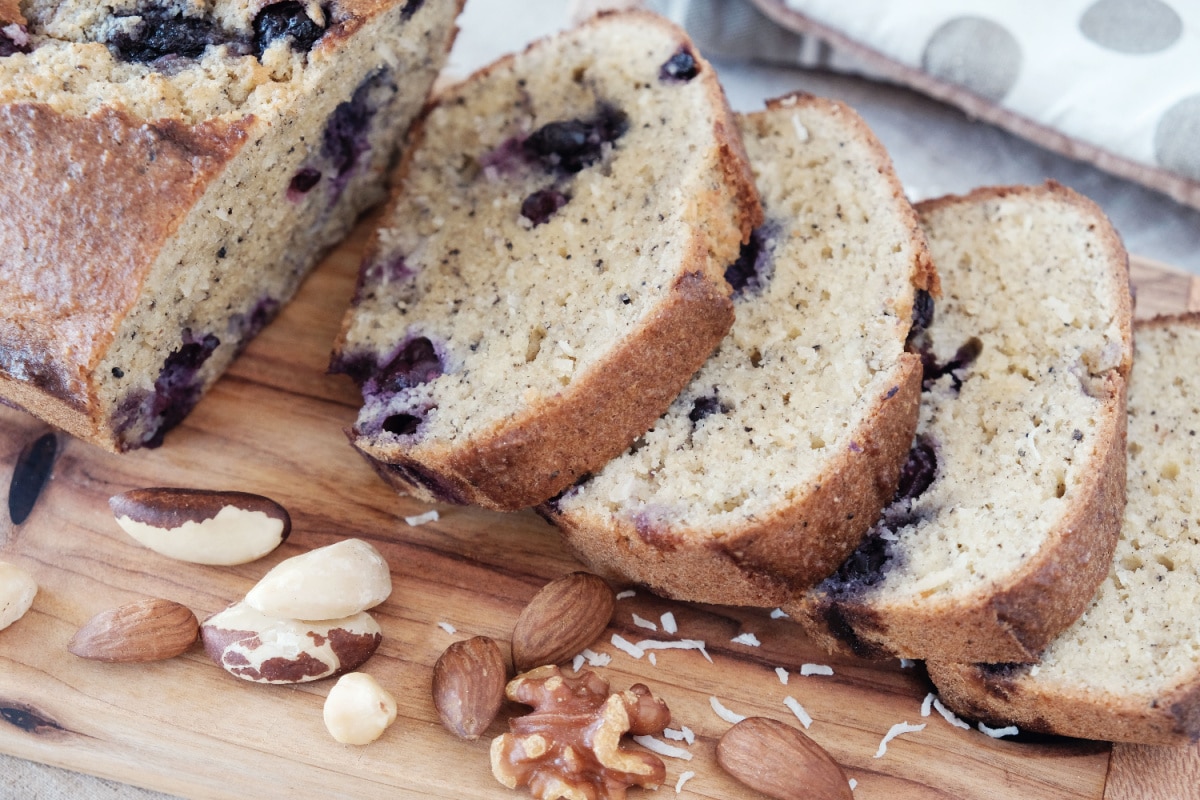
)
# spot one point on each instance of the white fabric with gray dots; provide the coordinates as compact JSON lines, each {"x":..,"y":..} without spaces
{"x":1120,"y":75}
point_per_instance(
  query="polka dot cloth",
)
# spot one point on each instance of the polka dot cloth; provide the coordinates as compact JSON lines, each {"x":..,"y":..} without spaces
{"x":1123,"y":75}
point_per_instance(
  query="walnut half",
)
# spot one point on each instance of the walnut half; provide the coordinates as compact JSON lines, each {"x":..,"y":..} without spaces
{"x":570,"y":745}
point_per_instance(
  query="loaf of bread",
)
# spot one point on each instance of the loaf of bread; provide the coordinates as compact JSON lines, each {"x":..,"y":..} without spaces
{"x":1010,"y":502}
{"x":551,"y":270}
{"x":170,"y":171}
{"x":766,"y":472}
{"x":1129,"y":669}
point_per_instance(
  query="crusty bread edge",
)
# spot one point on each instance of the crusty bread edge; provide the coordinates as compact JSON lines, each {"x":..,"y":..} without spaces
{"x":1052,"y":589}
{"x":806,"y":538}
{"x":528,"y":459}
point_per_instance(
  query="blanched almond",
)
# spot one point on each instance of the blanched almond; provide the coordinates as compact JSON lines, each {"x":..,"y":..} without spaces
{"x":17,"y":590}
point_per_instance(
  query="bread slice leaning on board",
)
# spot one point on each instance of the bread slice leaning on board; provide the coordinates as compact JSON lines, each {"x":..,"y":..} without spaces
{"x":770,"y":466}
{"x":1011,"y":500}
{"x":550,"y":272}
{"x":1129,"y":669}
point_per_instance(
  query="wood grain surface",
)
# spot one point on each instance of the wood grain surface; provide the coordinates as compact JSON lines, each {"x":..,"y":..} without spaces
{"x":274,"y":425}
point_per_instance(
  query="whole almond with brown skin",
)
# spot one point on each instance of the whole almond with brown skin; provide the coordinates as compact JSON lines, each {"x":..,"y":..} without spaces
{"x":562,"y":619}
{"x":468,"y":686}
{"x":148,"y":630}
{"x":781,"y":762}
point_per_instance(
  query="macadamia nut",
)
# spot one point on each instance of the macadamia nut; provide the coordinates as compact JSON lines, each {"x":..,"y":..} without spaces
{"x":17,"y":589}
{"x":331,"y":582}
{"x":358,"y":710}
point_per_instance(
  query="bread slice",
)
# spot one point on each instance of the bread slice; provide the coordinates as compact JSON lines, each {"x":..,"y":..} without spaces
{"x":169,"y":172}
{"x":550,"y":272}
{"x":1011,"y":498}
{"x":770,"y":466}
{"x":1129,"y":669}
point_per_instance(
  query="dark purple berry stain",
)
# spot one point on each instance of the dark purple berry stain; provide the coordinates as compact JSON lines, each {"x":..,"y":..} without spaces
{"x":161,"y":33}
{"x":302,"y":183}
{"x":346,"y":133}
{"x":415,"y":364}
{"x":752,"y":270}
{"x":864,"y":568}
{"x":922,"y":313}
{"x":569,"y":146}
{"x":542,"y":204}
{"x":402,"y":424}
{"x":13,"y":39}
{"x":918,"y":471}
{"x":411,"y":8}
{"x":418,"y":475}
{"x":963,"y":358}
{"x":703,"y":407}
{"x":287,"y":19}
{"x":177,"y":389}
{"x":681,"y":67}
{"x":245,"y":327}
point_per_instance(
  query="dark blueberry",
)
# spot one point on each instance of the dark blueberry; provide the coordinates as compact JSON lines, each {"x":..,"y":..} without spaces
{"x":286,"y":19}
{"x":412,"y":8}
{"x":117,"y":372}
{"x":402,"y":424}
{"x":420,"y":476}
{"x":359,"y":366}
{"x":571,"y":145}
{"x":750,"y":273}
{"x":13,"y":39}
{"x":963,"y":357}
{"x":163,"y":33}
{"x":176,"y":392}
{"x":706,"y":406}
{"x":346,"y":133}
{"x":1004,"y":669}
{"x":918,"y":471}
{"x":302,"y":183}
{"x":865,"y":566}
{"x":680,"y":67}
{"x":922,"y":313}
{"x":542,"y":204}
{"x":416,"y":363}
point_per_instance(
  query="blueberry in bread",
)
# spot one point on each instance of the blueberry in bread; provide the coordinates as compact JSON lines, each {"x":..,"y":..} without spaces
{"x":1129,"y":668}
{"x":551,"y":270}
{"x":171,"y":172}
{"x":770,"y":466}
{"x":1010,"y":502}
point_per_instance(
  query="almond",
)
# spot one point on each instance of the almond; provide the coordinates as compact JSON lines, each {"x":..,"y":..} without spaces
{"x":781,"y":762}
{"x":563,"y":618}
{"x":148,"y":630}
{"x":468,"y":686}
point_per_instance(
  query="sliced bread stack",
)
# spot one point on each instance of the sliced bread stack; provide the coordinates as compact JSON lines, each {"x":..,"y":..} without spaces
{"x":551,"y":270}
{"x":770,"y":466}
{"x":1129,"y":668}
{"x":1011,"y":499}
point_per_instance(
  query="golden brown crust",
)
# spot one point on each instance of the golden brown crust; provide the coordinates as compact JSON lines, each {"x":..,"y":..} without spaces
{"x":1013,"y":623}
{"x":1007,"y":696}
{"x":87,"y":205}
{"x":10,"y":13}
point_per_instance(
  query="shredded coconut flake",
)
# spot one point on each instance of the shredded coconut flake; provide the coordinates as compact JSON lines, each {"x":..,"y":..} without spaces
{"x":684,"y":777}
{"x":778,"y":613}
{"x":853,"y":784}
{"x":653,"y":659}
{"x":723,"y":712}
{"x":668,"y":623}
{"x":997,"y":733}
{"x":421,"y":519}
{"x":448,"y":628}
{"x":684,"y":734}
{"x":627,"y":646}
{"x":595,"y":659}
{"x":747,"y":638}
{"x":949,"y":715}
{"x":783,"y":675}
{"x":815,"y":669}
{"x":907,"y":663}
{"x":798,"y":710}
{"x":625,"y":595}
{"x":577,"y":662}
{"x":801,"y":131}
{"x":662,"y":748}
{"x":896,"y":730}
{"x":679,"y":644}
{"x":927,"y":704}
{"x":642,"y":622}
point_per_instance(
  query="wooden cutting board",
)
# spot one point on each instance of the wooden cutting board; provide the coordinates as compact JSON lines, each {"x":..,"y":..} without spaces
{"x":273,"y":425}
